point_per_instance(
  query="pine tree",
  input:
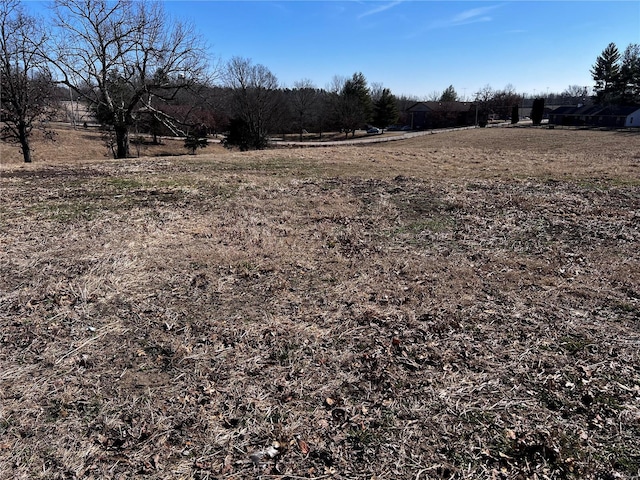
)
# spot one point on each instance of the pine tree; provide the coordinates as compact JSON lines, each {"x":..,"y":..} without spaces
{"x":353,"y":104}
{"x":385,"y":109}
{"x":630,"y":75}
{"x":197,"y":138}
{"x":606,"y":74}
{"x":449,"y":95}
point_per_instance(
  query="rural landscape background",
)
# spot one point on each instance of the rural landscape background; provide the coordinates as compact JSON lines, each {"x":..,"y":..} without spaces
{"x":188,"y":294}
{"x":462,"y":305}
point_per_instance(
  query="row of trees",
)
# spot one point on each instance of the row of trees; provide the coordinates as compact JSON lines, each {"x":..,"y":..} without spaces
{"x":138,"y":69}
{"x":258,"y":105}
{"x":134,"y":67}
{"x":617,"y":76}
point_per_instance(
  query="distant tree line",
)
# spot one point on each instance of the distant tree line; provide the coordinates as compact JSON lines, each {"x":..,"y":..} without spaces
{"x":139,"y":71}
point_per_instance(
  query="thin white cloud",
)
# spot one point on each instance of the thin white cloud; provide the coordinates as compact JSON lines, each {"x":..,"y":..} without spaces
{"x":473,"y":15}
{"x":380,"y":9}
{"x":466,"y":17}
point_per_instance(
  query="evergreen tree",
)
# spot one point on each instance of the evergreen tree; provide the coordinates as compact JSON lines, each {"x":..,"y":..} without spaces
{"x":196,"y":138}
{"x":357,"y":88}
{"x":537,"y":111}
{"x":385,"y":109}
{"x":630,"y":75}
{"x":606,"y":74}
{"x":449,"y":95}
{"x":515,"y":115}
{"x":353,"y":106}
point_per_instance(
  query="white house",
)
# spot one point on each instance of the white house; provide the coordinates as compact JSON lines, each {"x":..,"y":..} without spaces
{"x":633,"y":119}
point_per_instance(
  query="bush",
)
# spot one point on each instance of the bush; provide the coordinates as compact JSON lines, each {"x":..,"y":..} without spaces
{"x":193,"y":142}
{"x":242,"y":136}
{"x":196,"y":138}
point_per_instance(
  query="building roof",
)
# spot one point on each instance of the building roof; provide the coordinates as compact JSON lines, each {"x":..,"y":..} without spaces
{"x":599,"y":110}
{"x":566,"y":110}
{"x":441,"y":106}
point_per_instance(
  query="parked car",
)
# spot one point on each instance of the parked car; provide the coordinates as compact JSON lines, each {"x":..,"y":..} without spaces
{"x":373,"y":130}
{"x":406,"y":128}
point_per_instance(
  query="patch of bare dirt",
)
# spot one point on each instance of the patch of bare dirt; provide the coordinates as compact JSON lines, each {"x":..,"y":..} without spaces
{"x":455,"y":306}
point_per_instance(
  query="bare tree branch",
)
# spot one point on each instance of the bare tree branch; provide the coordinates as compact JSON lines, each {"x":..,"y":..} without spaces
{"x":125,"y":55}
{"x":25,"y":81}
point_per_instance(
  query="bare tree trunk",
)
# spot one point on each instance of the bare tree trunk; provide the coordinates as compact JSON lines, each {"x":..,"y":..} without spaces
{"x":122,"y":142}
{"x":24,"y":143}
{"x":301,"y":127}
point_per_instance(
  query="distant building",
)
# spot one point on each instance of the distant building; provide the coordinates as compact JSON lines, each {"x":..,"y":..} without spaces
{"x":427,"y":115}
{"x":75,"y":112}
{"x":596,"y":116}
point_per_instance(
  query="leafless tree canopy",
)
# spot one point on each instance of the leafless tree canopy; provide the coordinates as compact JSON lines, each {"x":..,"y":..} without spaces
{"x":255,"y":95}
{"x":25,"y":81}
{"x":121,"y":56}
{"x":303,"y":98}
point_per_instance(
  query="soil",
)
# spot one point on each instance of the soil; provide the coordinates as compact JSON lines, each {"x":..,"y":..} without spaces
{"x":463,"y":305}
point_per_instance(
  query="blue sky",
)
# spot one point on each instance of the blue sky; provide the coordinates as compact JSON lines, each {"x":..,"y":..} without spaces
{"x":417,"y":47}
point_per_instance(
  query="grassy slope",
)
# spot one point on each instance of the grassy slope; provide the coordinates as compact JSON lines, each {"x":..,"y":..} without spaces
{"x":455,"y":306}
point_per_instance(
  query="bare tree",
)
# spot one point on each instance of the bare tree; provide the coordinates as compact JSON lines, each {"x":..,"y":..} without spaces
{"x":403,"y":102}
{"x":376,"y":90}
{"x":502,"y":101}
{"x":575,"y":91}
{"x":434,"y":96}
{"x":336,"y":84}
{"x":304,"y":97}
{"x":485,"y":94}
{"x":255,"y":102}
{"x":25,"y":81}
{"x":483,"y":101}
{"x":121,"y":55}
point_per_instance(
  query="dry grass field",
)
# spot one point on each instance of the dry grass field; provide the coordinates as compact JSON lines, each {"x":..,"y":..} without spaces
{"x":454,"y":306}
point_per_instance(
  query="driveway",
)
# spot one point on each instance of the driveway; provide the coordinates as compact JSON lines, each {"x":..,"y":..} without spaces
{"x":365,"y":140}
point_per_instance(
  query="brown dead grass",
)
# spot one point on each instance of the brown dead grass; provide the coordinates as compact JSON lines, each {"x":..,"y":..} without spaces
{"x":462,"y":305}
{"x":87,"y":144}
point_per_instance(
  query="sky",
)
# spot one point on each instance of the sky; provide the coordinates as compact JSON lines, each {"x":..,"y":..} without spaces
{"x":418,"y":47}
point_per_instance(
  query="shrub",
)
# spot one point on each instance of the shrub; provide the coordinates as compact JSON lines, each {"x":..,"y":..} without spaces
{"x":196,"y":138}
{"x":244,"y":137}
{"x":193,"y":142}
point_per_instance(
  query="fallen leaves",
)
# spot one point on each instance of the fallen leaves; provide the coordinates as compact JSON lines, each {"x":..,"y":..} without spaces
{"x":423,"y":313}
{"x":303,"y":446}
